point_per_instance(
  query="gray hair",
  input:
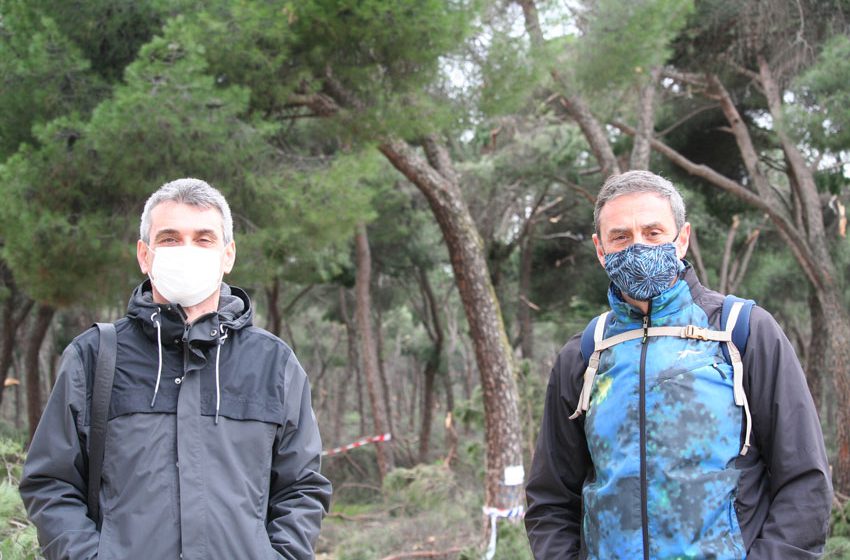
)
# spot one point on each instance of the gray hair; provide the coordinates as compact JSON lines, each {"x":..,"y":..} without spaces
{"x":192,"y":192}
{"x":640,"y":182}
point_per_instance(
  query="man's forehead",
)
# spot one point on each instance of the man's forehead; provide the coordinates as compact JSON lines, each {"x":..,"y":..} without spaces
{"x":643,"y":208}
{"x":174,"y":216}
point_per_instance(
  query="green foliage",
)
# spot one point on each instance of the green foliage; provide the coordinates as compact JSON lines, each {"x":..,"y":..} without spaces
{"x":510,"y":73}
{"x":824,"y":111}
{"x":420,"y":488}
{"x":60,"y":238}
{"x":17,"y":536}
{"x":837,"y":548}
{"x":301,"y":220}
{"x":625,"y":40}
{"x":511,"y":543}
{"x":43,"y":74}
{"x":109,"y":33}
{"x":840,"y":523}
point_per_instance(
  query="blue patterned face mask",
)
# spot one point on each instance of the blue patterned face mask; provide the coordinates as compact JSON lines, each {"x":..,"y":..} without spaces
{"x":643,"y":271}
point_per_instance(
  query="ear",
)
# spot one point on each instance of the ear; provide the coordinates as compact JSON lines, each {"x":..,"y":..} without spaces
{"x":600,"y":252}
{"x":229,"y":256}
{"x":144,"y":256}
{"x":683,"y":241}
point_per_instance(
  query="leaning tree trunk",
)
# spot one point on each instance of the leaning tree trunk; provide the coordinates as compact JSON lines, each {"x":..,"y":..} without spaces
{"x":436,"y":179}
{"x":368,"y":352}
{"x":40,"y":325}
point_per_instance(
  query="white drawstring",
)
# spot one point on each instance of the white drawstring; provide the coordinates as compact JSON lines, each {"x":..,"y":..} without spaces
{"x":217,"y":380}
{"x":159,"y":352}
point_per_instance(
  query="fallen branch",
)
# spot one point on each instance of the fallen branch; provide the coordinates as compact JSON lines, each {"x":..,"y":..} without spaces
{"x":424,"y":553}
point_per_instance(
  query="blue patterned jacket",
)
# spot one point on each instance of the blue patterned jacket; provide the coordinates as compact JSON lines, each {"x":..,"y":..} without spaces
{"x":653,"y":469}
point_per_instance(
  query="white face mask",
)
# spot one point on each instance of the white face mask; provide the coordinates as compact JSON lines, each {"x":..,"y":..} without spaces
{"x":186,"y":275}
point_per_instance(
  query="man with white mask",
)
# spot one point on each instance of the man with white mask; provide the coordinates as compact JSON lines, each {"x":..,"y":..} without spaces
{"x":212,"y":450}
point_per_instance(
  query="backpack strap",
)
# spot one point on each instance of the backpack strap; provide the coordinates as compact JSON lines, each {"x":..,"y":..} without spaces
{"x":735,"y":325}
{"x":735,"y":320}
{"x":741,"y":326}
{"x":597,"y":327}
{"x":104,"y":373}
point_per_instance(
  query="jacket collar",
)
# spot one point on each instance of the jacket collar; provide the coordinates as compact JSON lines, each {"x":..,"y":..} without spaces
{"x":234,"y":313}
{"x":667,"y":303}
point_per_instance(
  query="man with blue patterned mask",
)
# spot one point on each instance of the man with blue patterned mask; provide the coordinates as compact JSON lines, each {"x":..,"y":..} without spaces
{"x":641,"y":237}
{"x":673,"y":423}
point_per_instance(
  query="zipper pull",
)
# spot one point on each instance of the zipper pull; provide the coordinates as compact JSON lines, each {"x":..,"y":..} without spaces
{"x":645,"y":328}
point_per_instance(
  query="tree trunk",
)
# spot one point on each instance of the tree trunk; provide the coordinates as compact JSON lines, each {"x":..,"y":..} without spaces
{"x":353,"y":359}
{"x":382,"y":371}
{"x":646,"y":123}
{"x":37,"y":335}
{"x":526,"y":325}
{"x":436,"y":179}
{"x":432,"y":365}
{"x":817,"y":351}
{"x":368,"y":352}
{"x":273,"y":299}
{"x":12,"y":320}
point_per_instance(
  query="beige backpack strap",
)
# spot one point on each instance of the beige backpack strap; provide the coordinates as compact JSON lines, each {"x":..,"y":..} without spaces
{"x":688,"y":331}
{"x":738,"y":373}
{"x":592,"y":367}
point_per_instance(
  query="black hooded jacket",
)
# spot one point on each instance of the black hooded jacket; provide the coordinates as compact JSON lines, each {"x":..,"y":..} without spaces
{"x":212,"y":447}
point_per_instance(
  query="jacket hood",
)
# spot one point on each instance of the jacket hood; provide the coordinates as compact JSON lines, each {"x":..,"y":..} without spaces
{"x":165,"y":323}
{"x":234,"y":313}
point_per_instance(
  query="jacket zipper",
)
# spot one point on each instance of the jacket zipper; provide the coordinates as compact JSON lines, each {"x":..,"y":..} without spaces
{"x":644,"y":510}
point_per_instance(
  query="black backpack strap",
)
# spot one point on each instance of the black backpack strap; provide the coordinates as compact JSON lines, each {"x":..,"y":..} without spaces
{"x":104,"y":372}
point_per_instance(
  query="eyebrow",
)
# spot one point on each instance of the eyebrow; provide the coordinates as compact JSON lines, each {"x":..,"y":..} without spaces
{"x":652,"y":225}
{"x":197,"y":232}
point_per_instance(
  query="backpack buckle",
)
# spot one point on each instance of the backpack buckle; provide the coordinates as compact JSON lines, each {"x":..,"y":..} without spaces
{"x":693,"y":331}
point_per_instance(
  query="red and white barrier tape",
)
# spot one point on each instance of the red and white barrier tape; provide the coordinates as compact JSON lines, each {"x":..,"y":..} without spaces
{"x":356,"y":444}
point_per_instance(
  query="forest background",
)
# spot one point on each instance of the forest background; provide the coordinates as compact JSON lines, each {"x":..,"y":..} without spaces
{"x":412,"y":184}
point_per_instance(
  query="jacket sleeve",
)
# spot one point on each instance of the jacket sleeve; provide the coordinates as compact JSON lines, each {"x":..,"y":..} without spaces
{"x":299,"y":496}
{"x":54,"y":484}
{"x":789,"y":437}
{"x":560,"y":466}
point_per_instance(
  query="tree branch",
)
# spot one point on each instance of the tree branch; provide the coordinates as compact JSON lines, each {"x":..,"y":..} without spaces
{"x":577,"y":188}
{"x":646,"y":123}
{"x":795,"y":241}
{"x":727,"y":253}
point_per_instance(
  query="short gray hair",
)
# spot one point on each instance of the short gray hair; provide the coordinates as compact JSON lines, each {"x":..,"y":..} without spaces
{"x":640,"y":182}
{"x":192,"y":192}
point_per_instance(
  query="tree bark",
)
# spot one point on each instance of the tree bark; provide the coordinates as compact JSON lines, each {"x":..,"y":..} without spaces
{"x":13,"y":318}
{"x":526,"y":325}
{"x":353,"y":358}
{"x":368,"y":352}
{"x":273,"y":298}
{"x":382,"y":371}
{"x":641,"y":149}
{"x":817,"y":351}
{"x":432,"y":365}
{"x":40,"y":325}
{"x":436,"y":180}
